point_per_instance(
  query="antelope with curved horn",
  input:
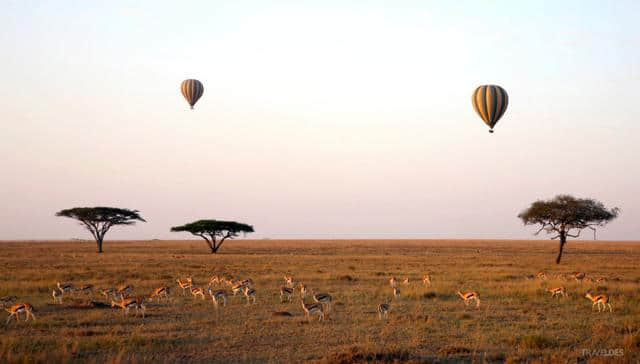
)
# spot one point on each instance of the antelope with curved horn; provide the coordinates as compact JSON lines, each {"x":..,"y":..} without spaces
{"x":323,"y":298}
{"x":65,"y":287}
{"x":426,"y":280}
{"x":250,"y":293}
{"x":128,"y":303}
{"x":285,"y":294}
{"x":197,"y":291}
{"x":288,"y":281}
{"x":57,"y":296}
{"x":185,"y":284}
{"x":303,"y":290}
{"x":160,"y":293}
{"x":218,"y":297}
{"x":393,"y":282}
{"x":396,"y":293}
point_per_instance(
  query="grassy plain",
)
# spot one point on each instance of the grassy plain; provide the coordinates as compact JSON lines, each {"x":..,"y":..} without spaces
{"x":518,"y":321}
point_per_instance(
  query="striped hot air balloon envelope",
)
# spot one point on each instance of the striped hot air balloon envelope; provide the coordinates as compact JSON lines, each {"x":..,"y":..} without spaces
{"x":192,"y":91}
{"x":490,"y":102}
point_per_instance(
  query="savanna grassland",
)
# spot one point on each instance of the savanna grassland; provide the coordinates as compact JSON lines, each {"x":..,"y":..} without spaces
{"x":518,"y":321}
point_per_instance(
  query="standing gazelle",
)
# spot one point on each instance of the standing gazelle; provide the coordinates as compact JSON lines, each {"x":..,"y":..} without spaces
{"x":65,"y":287}
{"x":383,"y":310}
{"x":558,"y":292}
{"x":197,"y":291}
{"x":396,"y":293}
{"x":313,"y":308}
{"x":393,"y":282}
{"x":303,"y":290}
{"x":288,"y":281}
{"x":15,"y":310}
{"x":160,"y":293}
{"x":218,"y":297}
{"x":128,"y":303}
{"x":579,"y":276}
{"x":601,"y":300}
{"x":468,"y":296}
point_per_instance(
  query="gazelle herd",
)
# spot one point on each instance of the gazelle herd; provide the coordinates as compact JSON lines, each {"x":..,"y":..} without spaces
{"x":121,"y":296}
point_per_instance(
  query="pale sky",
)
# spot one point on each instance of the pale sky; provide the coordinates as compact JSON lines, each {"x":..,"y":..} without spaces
{"x":318,"y":119}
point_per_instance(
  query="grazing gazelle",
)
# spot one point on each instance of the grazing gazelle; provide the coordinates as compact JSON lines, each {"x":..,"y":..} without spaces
{"x":197,"y":291}
{"x":426,"y":280}
{"x":57,"y":296}
{"x":160,"y":293}
{"x":393,"y":281}
{"x":579,"y":276}
{"x":600,"y":300}
{"x":218,"y":297}
{"x":250,"y":293}
{"x":286,"y":293}
{"x":65,"y":287}
{"x":468,"y":296}
{"x":7,"y":300}
{"x":15,"y":310}
{"x":323,"y":298}
{"x":396,"y":293}
{"x":383,"y":310}
{"x":128,"y":303}
{"x":186,"y":284}
{"x":405,"y":281}
{"x":107,"y":292}
{"x":86,"y":289}
{"x":312,"y":308}
{"x":288,"y":281}
{"x":558,"y":292}
{"x":303,"y":290}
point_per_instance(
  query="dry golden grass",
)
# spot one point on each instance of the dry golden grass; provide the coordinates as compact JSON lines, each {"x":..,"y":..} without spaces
{"x":517,"y":321}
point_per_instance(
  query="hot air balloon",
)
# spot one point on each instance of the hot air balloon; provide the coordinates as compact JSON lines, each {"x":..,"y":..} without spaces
{"x":192,"y":91}
{"x":490,"y":102}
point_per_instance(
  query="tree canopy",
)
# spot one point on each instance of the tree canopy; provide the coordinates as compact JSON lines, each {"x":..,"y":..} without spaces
{"x":214,"y":232}
{"x":98,"y":220}
{"x":566,"y":216}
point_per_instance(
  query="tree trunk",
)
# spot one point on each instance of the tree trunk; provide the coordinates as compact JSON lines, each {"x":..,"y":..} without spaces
{"x":563,"y":241}
{"x":99,"y":242}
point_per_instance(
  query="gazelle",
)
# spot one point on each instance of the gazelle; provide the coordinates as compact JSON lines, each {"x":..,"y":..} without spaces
{"x":383,"y":310}
{"x":312,"y":308}
{"x":160,"y":293}
{"x":405,"y":281}
{"x":288,"y":281}
{"x":468,"y":296}
{"x":558,"y":292}
{"x":15,"y":310}
{"x":250,"y":293}
{"x":124,"y":291}
{"x":579,"y":276}
{"x":186,"y":284}
{"x":601,"y":300}
{"x":323,"y":298}
{"x":286,"y":293}
{"x":57,"y":296}
{"x":396,"y":293}
{"x":215,"y":280}
{"x":86,"y":289}
{"x":426,"y":280}
{"x":393,"y":281}
{"x":65,"y":287}
{"x":128,"y":303}
{"x":197,"y":291}
{"x":218,"y":297}
{"x":303,"y":290}
{"x":7,"y":300}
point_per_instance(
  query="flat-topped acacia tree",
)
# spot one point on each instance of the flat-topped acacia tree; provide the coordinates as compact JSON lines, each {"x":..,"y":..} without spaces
{"x":98,"y":220}
{"x":566,"y":216}
{"x":214,"y":232}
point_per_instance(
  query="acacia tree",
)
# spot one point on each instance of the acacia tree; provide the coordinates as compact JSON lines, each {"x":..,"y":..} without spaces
{"x":214,"y":232}
{"x":566,"y":216}
{"x":98,"y":220}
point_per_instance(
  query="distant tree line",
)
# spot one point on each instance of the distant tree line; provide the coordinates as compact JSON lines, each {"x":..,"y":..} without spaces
{"x":99,"y":220}
{"x":564,"y":216}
